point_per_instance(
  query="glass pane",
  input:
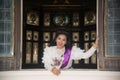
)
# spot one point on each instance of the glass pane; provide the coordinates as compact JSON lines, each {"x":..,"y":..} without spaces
{"x":46,"y":36}
{"x":8,"y":3}
{"x":2,"y":49}
{"x":32,"y":18}
{"x":45,"y":45}
{"x":35,"y":35}
{"x":8,"y":38}
{"x":35,"y":53}
{"x":2,"y":14}
{"x":86,"y":36}
{"x":75,"y":36}
{"x":90,"y":18}
{"x":7,"y":48}
{"x":8,"y":14}
{"x":61,"y":20}
{"x":86,"y":61}
{"x":93,"y":35}
{"x":6,"y":28}
{"x":94,"y":56}
{"x":46,"y":19}
{"x":76,"y":61}
{"x":29,"y":35}
{"x":112,"y":18}
{"x":1,"y":4}
{"x":86,"y":46}
{"x":76,"y":44}
{"x":2,"y":37}
{"x":93,"y":59}
{"x":28,"y":52}
{"x":75,"y":19}
{"x":54,"y":35}
{"x":113,"y":50}
{"x":2,"y":26}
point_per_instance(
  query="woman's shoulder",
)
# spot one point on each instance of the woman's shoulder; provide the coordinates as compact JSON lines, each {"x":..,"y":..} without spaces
{"x":77,"y":48}
{"x":74,"y":47}
{"x":49,"y":47}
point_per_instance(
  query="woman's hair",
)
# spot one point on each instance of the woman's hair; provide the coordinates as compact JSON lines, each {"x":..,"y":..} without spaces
{"x":63,"y":32}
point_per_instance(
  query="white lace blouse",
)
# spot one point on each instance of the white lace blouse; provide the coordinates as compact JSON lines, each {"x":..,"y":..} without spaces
{"x":76,"y":54}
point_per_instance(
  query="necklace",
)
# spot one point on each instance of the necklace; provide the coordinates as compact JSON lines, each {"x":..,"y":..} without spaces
{"x":60,"y":51}
{"x":58,"y":57}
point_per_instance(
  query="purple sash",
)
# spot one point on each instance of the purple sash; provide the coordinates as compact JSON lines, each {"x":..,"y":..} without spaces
{"x":66,"y":58}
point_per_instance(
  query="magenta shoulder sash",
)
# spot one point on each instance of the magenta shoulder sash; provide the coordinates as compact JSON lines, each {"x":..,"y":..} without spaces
{"x":66,"y":58}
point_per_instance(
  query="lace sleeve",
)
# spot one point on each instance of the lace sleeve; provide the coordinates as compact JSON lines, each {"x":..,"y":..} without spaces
{"x":78,"y":53}
{"x":46,"y":59}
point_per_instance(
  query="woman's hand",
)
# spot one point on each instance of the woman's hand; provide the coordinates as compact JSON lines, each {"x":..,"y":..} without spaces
{"x":55,"y":71}
{"x":95,"y":45}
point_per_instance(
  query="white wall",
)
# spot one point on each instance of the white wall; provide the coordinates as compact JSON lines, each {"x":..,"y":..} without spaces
{"x":65,"y":75}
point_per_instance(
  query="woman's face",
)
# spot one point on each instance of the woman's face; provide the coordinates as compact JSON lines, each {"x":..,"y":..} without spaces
{"x":61,"y":41}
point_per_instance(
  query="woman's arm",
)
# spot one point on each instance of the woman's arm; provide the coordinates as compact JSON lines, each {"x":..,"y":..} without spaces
{"x":91,"y":51}
{"x":95,"y":45}
{"x":88,"y":53}
{"x":77,"y":53}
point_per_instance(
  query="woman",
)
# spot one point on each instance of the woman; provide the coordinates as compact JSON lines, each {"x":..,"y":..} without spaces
{"x":61,"y":53}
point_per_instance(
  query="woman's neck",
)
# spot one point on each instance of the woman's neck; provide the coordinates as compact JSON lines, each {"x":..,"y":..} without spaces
{"x":60,"y":47}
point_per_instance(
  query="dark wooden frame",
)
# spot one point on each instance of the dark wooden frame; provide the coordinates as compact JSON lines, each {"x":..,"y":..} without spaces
{"x":53,"y":10}
{"x":13,"y":63}
{"x":105,"y":63}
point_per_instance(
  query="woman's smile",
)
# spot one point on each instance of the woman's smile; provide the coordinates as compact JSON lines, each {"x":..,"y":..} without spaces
{"x":61,"y":41}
